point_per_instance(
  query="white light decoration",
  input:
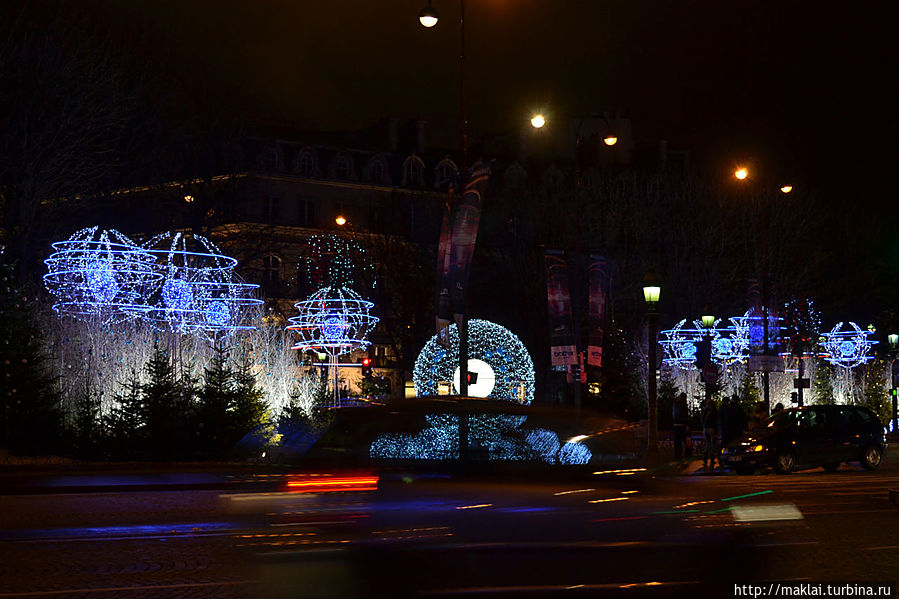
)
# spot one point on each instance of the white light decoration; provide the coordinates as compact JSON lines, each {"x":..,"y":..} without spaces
{"x":489,"y":343}
{"x":728,"y":344}
{"x":848,"y":347}
{"x":574,"y":454}
{"x":99,"y":273}
{"x":201,"y":292}
{"x":483,"y":375}
{"x":334,"y":321}
{"x":335,"y":261}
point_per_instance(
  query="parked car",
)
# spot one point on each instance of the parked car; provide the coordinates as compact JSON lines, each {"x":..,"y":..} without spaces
{"x":809,"y":437}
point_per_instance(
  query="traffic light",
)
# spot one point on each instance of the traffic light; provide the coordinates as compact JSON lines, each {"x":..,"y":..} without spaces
{"x":366,"y":366}
{"x":794,"y":397}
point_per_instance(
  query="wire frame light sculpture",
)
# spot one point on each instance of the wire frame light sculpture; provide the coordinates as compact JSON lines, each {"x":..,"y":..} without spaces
{"x":728,"y":344}
{"x":334,"y":321}
{"x":494,"y":345}
{"x":200,"y":292}
{"x":848,"y":347}
{"x":101,"y":273}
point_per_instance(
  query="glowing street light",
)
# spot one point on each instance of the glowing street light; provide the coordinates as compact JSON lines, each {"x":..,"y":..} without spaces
{"x":786,"y":189}
{"x":741,"y":173}
{"x":610,"y":140}
{"x":340,"y":220}
{"x":428,"y":16}
{"x":537,"y":121}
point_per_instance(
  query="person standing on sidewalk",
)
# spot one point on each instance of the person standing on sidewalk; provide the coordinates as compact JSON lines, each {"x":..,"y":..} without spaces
{"x":681,"y":419}
{"x":710,"y":432}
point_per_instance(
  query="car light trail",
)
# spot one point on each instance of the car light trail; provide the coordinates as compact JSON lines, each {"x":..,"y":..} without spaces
{"x":331,"y":484}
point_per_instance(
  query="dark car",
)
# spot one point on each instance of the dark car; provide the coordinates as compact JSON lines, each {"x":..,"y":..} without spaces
{"x":809,"y":437}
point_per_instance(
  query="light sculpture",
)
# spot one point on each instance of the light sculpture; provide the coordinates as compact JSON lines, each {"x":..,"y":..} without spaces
{"x":200,"y":293}
{"x":496,"y":346}
{"x":101,"y":273}
{"x":728,"y":344}
{"x":334,"y":261}
{"x":848,"y":347}
{"x":334,"y":321}
{"x":574,"y":454}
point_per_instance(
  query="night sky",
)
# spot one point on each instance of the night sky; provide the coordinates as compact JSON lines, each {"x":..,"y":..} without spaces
{"x":803,"y":89}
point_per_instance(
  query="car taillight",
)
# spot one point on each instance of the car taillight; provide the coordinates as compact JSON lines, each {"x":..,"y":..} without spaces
{"x":332,"y":482}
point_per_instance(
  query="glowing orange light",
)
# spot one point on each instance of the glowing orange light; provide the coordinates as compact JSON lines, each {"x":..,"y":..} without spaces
{"x":537,"y":121}
{"x":188,"y":199}
{"x":327,"y":483}
{"x":340,"y":220}
{"x":741,"y":173}
{"x":786,"y":188}
{"x":610,"y":140}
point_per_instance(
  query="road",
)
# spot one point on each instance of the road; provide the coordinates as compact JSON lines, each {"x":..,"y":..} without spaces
{"x":615,"y":532}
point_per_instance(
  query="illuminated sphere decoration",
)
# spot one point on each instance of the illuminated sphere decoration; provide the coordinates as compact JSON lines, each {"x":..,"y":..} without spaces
{"x":100,"y":273}
{"x":200,"y":293}
{"x":848,"y":347}
{"x":334,"y":321}
{"x":488,"y":343}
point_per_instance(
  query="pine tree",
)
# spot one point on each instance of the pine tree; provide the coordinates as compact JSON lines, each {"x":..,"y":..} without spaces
{"x":749,"y":392}
{"x":124,"y":426}
{"x":876,"y":395}
{"x":249,"y":412}
{"x":215,"y":400}
{"x":823,"y":383}
{"x":31,"y":417}
{"x":161,"y":397}
{"x":87,"y":423}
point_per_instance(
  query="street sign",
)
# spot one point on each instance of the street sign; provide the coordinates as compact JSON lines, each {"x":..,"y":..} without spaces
{"x":765,"y":364}
{"x":802,"y":383}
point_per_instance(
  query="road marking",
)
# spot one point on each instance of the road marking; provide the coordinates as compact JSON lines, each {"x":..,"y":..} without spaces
{"x":188,"y":585}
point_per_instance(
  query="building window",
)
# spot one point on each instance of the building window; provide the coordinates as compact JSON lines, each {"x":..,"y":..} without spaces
{"x":270,"y":160}
{"x":271,"y":275}
{"x":306,"y":213}
{"x":446,"y":174}
{"x":377,"y":172}
{"x":412,"y":171}
{"x":342,"y":168}
{"x":305,"y":164}
{"x":274,"y":210}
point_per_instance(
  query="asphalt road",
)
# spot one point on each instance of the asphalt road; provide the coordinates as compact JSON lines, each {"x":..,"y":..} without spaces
{"x":618,"y":534}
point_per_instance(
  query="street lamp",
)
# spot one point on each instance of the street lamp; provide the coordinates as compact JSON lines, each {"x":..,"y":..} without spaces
{"x":340,"y":220}
{"x":651,"y":293}
{"x":741,"y":173}
{"x":610,"y":140}
{"x":428,"y":16}
{"x":537,"y":121}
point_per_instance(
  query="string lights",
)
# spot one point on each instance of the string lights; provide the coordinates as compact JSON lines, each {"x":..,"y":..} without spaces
{"x":848,"y":347}
{"x":334,"y":321}
{"x":500,"y":349}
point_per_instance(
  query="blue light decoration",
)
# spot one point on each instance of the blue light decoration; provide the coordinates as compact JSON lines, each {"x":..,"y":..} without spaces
{"x":334,"y":321}
{"x":101,"y":274}
{"x":848,"y":347}
{"x":502,"y":350}
{"x":574,"y":453}
{"x":201,"y":293}
{"x":496,"y":437}
{"x":728,"y":344}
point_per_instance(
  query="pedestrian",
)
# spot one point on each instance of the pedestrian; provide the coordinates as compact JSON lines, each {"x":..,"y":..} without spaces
{"x":737,"y":417}
{"x":724,"y":421}
{"x":680,"y":418}
{"x":758,"y":416}
{"x":778,"y":408}
{"x":709,"y":432}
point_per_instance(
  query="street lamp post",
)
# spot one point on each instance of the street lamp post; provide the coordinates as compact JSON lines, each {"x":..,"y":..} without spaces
{"x":651,"y":293}
{"x":428,"y":17}
{"x":743,"y":174}
{"x":708,"y":321}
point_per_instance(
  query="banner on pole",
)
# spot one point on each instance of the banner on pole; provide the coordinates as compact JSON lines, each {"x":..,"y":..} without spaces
{"x":562,"y":345}
{"x":444,"y":310}
{"x":598,"y":280}
{"x":466,"y":219}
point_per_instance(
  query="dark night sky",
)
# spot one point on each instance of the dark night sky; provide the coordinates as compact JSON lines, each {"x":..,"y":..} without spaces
{"x":802,"y":88}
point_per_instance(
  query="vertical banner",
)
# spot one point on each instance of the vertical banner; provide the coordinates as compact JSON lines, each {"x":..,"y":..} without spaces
{"x":466,"y":220}
{"x":444,"y":310}
{"x":598,"y":281}
{"x":563,"y":350}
